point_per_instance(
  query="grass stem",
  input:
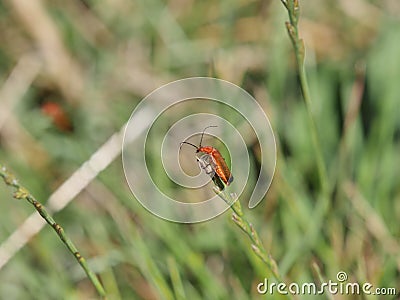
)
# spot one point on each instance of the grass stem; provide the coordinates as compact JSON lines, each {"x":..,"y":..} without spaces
{"x":240,"y":220}
{"x":22,"y":193}
{"x":322,"y":206}
{"x":293,"y":9}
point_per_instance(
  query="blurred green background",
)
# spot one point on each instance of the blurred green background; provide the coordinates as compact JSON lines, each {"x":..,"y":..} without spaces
{"x":95,"y":60}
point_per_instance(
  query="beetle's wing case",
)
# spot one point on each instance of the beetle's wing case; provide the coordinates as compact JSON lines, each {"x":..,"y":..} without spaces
{"x":221,"y":168}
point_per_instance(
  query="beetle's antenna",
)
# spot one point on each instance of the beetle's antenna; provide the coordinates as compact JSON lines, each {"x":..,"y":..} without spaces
{"x":188,"y":144}
{"x":203,"y":133}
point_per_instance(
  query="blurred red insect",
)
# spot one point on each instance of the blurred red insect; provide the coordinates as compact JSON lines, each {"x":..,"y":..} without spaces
{"x":216,"y":163}
{"x":58,"y":115}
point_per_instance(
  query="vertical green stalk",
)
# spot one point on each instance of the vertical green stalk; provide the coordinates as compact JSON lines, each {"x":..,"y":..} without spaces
{"x":23,"y":193}
{"x":293,"y":9}
{"x":322,"y":206}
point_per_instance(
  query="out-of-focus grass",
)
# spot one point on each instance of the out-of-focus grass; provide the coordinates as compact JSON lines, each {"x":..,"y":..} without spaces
{"x":122,"y":50}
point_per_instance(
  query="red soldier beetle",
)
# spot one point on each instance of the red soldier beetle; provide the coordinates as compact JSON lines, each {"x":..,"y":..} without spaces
{"x":218,"y":162}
